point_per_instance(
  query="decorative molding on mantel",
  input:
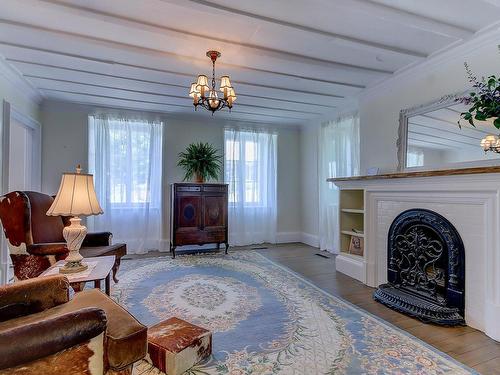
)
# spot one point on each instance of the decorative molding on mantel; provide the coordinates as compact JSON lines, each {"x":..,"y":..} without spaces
{"x":457,"y":51}
{"x":470,"y":201}
{"x":434,"y":173}
{"x":16,"y":79}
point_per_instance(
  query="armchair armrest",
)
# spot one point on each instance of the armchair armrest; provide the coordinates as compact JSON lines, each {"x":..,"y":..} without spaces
{"x":27,"y":343}
{"x":32,"y":296}
{"x":97,"y":239}
{"x":56,"y":248}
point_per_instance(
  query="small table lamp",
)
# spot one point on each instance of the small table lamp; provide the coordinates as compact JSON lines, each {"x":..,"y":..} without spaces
{"x":76,"y":197}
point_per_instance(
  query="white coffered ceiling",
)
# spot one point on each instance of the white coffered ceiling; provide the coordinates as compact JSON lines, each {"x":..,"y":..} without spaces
{"x":289,"y":60}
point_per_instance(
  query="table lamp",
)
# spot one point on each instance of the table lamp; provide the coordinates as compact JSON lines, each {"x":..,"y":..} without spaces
{"x":76,"y":197}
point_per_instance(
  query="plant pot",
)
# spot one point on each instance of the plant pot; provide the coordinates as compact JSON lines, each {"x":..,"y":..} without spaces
{"x":199,"y":178}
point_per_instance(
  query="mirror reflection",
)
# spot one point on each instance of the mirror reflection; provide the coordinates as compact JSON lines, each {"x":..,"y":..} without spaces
{"x":434,"y":138}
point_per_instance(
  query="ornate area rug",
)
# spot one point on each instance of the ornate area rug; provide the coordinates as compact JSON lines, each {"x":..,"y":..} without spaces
{"x":266,"y":319}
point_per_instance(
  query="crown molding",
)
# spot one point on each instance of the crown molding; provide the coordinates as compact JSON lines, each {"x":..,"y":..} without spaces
{"x":458,"y":51}
{"x":20,"y":84}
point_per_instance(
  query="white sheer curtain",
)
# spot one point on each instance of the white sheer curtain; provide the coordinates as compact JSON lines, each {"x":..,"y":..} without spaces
{"x":338,"y":157}
{"x":125,"y":157}
{"x":250,"y":170}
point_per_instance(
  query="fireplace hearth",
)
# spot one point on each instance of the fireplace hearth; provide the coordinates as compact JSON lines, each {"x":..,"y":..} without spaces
{"x":425,"y":268}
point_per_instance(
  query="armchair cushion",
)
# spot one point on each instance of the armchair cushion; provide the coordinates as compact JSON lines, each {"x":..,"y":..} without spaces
{"x":32,"y":296}
{"x":126,"y":338}
{"x":57,"y":248}
{"x":27,"y":343}
{"x":44,"y":228}
{"x":97,"y":239}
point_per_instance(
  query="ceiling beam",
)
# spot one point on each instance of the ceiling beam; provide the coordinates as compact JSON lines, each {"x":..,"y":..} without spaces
{"x":443,"y":130}
{"x":185,"y":98}
{"x":161,"y":103}
{"x":298,"y":58}
{"x":115,"y":76}
{"x":343,"y":37}
{"x":111,"y":62}
{"x":434,"y":137}
{"x":119,"y":19}
{"x":412,"y":19}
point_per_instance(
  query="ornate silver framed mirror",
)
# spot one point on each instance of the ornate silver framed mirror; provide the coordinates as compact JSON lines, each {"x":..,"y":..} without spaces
{"x":429,"y":137}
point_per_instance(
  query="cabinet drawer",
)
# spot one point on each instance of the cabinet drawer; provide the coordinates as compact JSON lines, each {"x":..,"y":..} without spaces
{"x":199,"y":237}
{"x":215,"y":189}
{"x":215,"y":236}
{"x":188,"y":188}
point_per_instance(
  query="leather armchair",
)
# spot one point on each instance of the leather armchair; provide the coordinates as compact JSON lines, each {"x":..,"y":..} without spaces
{"x":35,"y":240}
{"x":42,"y":331}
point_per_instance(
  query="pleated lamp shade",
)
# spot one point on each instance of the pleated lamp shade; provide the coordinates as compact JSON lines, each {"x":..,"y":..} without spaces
{"x":76,"y":197}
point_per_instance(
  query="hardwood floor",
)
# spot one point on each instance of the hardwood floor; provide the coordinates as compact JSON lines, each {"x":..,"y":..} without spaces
{"x":465,"y":344}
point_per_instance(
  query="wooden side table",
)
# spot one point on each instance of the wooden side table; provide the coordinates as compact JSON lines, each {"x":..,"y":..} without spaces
{"x":101,"y":271}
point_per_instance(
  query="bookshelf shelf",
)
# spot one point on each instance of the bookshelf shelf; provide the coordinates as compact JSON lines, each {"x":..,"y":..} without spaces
{"x":351,"y":216}
{"x":352,"y":211}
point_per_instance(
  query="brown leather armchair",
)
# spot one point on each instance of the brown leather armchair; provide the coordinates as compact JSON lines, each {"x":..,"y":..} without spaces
{"x":43,"y":332}
{"x":35,"y":240}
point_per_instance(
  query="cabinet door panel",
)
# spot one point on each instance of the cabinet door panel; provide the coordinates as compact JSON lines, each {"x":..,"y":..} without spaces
{"x":188,"y":211}
{"x":215,"y":211}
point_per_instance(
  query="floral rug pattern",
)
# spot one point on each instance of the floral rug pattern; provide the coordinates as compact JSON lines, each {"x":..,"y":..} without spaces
{"x":266,"y":319}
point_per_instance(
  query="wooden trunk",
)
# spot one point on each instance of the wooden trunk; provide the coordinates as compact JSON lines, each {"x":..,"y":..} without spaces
{"x":198,"y":215}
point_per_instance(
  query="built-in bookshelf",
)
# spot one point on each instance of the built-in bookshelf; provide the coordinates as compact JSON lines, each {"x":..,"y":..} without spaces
{"x":352,"y":228}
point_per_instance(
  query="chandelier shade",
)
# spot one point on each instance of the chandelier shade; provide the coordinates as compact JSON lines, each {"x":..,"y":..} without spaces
{"x":491,"y":143}
{"x":207,"y":96}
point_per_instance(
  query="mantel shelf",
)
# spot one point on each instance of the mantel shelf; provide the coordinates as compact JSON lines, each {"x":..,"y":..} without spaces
{"x":350,"y":233}
{"x":353,"y":210}
{"x":358,"y":258}
{"x":440,"y":172}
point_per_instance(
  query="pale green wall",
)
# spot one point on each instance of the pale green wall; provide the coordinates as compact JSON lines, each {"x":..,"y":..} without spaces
{"x":65,"y":143}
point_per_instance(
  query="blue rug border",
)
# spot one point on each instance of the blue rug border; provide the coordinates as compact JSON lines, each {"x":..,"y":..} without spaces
{"x":367,"y":313}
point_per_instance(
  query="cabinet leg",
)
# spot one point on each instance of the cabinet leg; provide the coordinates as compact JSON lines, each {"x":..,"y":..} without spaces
{"x":173,"y":252}
{"x":218,"y":245}
{"x":227,"y":247}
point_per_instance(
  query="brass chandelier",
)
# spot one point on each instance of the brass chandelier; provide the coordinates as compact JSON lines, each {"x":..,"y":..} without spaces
{"x":208,"y":97}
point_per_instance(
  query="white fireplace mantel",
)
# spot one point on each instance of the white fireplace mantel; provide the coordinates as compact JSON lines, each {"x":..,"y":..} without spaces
{"x":469,"y":201}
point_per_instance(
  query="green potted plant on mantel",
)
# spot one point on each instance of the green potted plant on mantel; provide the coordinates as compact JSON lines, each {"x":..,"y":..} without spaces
{"x":484,"y":101}
{"x":201,"y":160}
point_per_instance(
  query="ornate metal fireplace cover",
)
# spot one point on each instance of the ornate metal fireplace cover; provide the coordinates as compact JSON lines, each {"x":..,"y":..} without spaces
{"x":425,"y":268}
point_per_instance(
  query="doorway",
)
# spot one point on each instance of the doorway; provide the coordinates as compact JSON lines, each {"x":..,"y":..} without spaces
{"x":21,"y":164}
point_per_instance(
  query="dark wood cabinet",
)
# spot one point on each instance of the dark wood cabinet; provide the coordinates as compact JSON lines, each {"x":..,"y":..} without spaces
{"x":198,"y":215}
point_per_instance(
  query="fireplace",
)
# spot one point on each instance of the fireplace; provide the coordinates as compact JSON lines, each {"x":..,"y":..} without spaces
{"x":425,"y":268}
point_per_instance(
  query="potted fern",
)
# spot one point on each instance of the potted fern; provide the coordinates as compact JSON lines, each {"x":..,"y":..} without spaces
{"x":201,"y":160}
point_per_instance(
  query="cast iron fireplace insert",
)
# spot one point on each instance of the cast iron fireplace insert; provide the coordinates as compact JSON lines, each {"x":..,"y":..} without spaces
{"x":425,"y":268}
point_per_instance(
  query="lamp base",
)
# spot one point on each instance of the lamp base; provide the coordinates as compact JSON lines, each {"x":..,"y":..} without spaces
{"x":73,"y":267}
{"x":74,"y":235}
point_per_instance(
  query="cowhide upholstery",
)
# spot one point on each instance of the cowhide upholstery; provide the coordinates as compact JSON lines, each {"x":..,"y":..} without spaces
{"x":35,"y":240}
{"x":42,"y":331}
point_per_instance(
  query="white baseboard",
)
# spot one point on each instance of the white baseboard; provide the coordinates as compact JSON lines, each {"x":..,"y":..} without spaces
{"x":287,"y":237}
{"x":310,"y":239}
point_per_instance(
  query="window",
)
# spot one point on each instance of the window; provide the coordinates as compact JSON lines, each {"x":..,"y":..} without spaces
{"x":125,"y":156}
{"x":128,"y":152}
{"x":248,"y":165}
{"x":250,"y":171}
{"x":414,"y":157}
{"x":243,"y":168}
{"x":129,"y":164}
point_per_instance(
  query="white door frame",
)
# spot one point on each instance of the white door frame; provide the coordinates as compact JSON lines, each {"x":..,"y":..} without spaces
{"x":11,"y":113}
